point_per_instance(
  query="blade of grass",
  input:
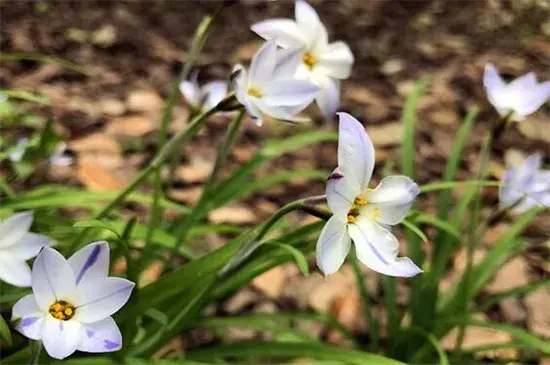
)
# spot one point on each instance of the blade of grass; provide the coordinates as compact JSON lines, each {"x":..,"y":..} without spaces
{"x":289,"y":349}
{"x":44,"y":59}
{"x":520,"y":290}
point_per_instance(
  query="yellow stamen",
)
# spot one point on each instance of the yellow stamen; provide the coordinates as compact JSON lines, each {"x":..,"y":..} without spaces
{"x":309,"y":60}
{"x":351,"y":219}
{"x":255,"y":93}
{"x":376,"y":213}
{"x":360,"y":201}
{"x":61,"y":310}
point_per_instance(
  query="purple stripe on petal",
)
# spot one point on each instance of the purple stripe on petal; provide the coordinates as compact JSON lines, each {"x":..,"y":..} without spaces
{"x":28,"y":321}
{"x":109,"y":345}
{"x":378,"y":254}
{"x":90,"y":261}
{"x":90,"y":333}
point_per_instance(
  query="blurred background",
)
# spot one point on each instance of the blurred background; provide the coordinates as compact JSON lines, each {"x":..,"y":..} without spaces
{"x":108,"y":111}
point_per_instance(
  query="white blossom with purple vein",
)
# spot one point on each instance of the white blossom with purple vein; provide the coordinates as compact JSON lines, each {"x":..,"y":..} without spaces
{"x":72,"y":302}
{"x":362,"y":214}
{"x":525,"y":186}
{"x":17,"y":245}
{"x":520,"y":98}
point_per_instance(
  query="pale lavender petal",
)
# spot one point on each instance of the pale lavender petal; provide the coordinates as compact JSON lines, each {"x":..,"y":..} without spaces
{"x":14,"y":228}
{"x":328,"y":98}
{"x":355,"y":151}
{"x":97,"y":299}
{"x":333,"y":245}
{"x":52,"y":278}
{"x":30,"y":316}
{"x":60,"y":338}
{"x":335,"y":61}
{"x":15,"y":272}
{"x":341,"y":192}
{"x":284,"y":31}
{"x":214,"y":91}
{"x":29,"y":246}
{"x":90,"y":262}
{"x":101,"y":336}
{"x":491,"y":78}
{"x":263,"y":65}
{"x":289,"y":92}
{"x":392,"y":199}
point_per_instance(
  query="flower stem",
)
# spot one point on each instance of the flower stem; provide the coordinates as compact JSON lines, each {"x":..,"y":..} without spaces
{"x":35,"y":349}
{"x":495,"y":131}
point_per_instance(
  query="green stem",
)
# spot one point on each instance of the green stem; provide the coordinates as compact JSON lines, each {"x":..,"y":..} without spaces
{"x":36,"y":348}
{"x":169,"y":148}
{"x":487,"y":146}
{"x":372,"y":324}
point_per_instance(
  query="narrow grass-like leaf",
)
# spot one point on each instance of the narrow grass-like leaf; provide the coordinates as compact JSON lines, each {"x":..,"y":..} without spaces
{"x":417,"y":231}
{"x":289,"y":349}
{"x":298,"y":256}
{"x":5,"y":333}
{"x":27,"y":96}
{"x":44,"y":59}
{"x":527,"y":338}
{"x":408,"y":149}
{"x":454,"y":159}
{"x":97,"y":224}
{"x":441,"y":225}
{"x":494,"y":299}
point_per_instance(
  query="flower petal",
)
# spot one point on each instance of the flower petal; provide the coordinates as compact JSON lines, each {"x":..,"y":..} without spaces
{"x":15,"y":272}
{"x":393,"y":198}
{"x":101,"y":336}
{"x":355,"y":151}
{"x":284,"y":31}
{"x":377,"y":248}
{"x":308,"y":22}
{"x":328,"y":98}
{"x":335,"y":61}
{"x":263,"y":64}
{"x":239,"y":81}
{"x":14,"y":228}
{"x":191,"y":93}
{"x":491,"y":78}
{"x":288,"y":61}
{"x":29,"y":246}
{"x":340,"y":193}
{"x":52,"y":278}
{"x":215,"y":91}
{"x":101,"y":297}
{"x":289,"y":92}
{"x":60,"y":338}
{"x":31,"y":317}
{"x":532,"y":99}
{"x":90,"y":262}
{"x":333,"y":245}
{"x":518,"y":180}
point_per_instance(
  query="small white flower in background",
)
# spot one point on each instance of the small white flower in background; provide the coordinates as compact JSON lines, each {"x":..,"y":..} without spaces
{"x":270,"y":88}
{"x":521,"y":97}
{"x":19,"y":150}
{"x":17,"y":245}
{"x":525,"y":186}
{"x":59,"y":156}
{"x":322,"y":63}
{"x":3,"y":97}
{"x":205,"y":97}
{"x":362,"y":214}
{"x":72,"y":302}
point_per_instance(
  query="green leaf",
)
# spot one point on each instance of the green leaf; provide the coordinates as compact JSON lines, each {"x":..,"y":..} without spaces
{"x":45,"y":59}
{"x":299,"y":257}
{"x":417,"y":231}
{"x":5,"y":333}
{"x":25,"y":95}
{"x":97,"y":224}
{"x":527,"y":338}
{"x":520,"y":290}
{"x":443,"y":226}
{"x":288,"y":349}
{"x":454,"y":159}
{"x":408,"y":149}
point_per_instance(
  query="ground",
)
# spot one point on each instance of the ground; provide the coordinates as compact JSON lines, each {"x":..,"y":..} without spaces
{"x":131,"y":52}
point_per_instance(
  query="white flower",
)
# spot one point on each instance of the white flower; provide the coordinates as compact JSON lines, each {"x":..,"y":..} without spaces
{"x":362,"y":214}
{"x":17,"y":245}
{"x":322,"y":63}
{"x":19,"y":150}
{"x":525,"y":186}
{"x":521,"y":97}
{"x":59,"y":156}
{"x":270,"y":87}
{"x":205,"y":97}
{"x":72,"y":302}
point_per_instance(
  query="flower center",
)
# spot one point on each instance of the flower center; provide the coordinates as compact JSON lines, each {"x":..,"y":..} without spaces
{"x":309,"y":60}
{"x":61,"y":310}
{"x":360,"y":206}
{"x":255,"y":93}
